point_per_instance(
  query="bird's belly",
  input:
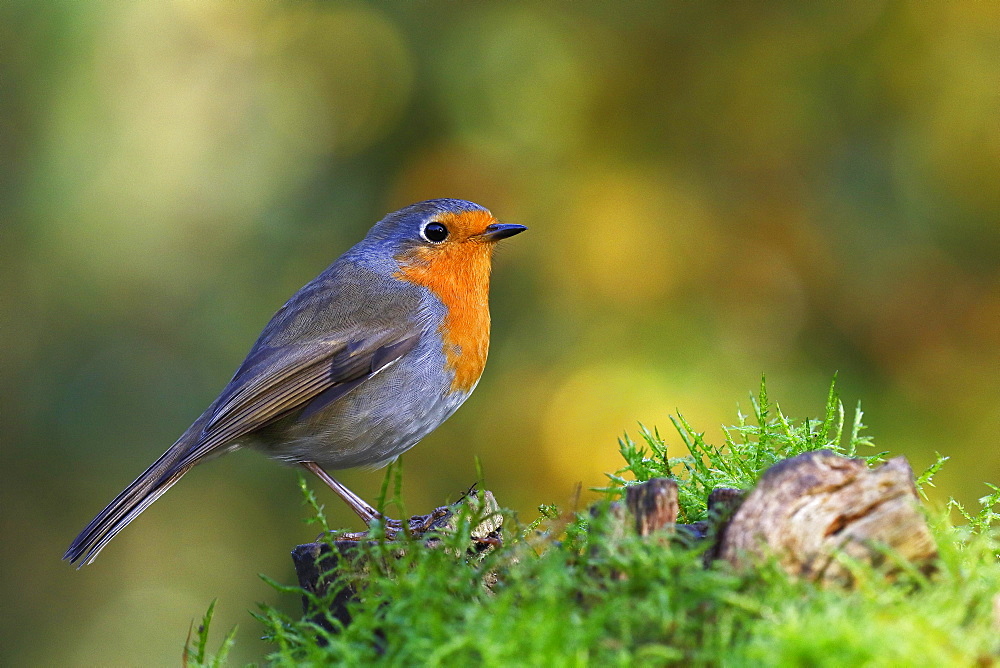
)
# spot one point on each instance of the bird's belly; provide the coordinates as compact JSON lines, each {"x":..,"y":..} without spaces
{"x":372,"y":425}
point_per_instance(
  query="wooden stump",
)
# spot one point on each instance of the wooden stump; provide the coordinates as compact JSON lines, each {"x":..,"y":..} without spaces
{"x":808,"y":509}
{"x":809,"y":512}
{"x":653,"y":505}
{"x":315,"y":562}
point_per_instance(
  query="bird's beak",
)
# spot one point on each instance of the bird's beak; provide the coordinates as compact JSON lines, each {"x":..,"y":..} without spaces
{"x":498,"y":231}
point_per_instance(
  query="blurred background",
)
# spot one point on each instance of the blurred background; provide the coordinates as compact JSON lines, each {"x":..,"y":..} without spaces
{"x":714,"y":191}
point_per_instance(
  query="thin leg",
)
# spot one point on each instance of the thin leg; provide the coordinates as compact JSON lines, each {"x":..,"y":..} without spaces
{"x":357,"y":504}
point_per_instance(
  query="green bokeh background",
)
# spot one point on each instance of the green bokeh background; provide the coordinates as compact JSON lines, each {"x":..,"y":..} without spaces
{"x":714,"y":190}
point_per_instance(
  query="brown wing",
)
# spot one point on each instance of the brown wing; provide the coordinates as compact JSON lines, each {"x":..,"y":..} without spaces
{"x":277,"y":381}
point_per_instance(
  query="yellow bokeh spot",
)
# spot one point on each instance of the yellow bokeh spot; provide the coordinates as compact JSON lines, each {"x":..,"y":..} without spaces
{"x":187,"y":126}
{"x":589,"y":411}
{"x":630,"y":236}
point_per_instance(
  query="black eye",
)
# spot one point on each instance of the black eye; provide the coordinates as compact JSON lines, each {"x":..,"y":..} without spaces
{"x":435,"y":232}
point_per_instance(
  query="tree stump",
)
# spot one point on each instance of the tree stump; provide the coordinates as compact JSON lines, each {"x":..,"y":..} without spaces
{"x":313,"y":561}
{"x":809,"y":509}
{"x":808,"y":512}
{"x":653,"y":505}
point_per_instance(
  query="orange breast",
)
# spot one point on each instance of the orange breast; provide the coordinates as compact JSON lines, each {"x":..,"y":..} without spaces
{"x":458,"y":273}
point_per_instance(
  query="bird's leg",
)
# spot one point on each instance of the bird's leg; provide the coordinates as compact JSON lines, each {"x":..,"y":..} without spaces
{"x":357,"y":504}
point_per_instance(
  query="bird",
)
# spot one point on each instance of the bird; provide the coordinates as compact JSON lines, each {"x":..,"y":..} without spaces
{"x":357,"y":367}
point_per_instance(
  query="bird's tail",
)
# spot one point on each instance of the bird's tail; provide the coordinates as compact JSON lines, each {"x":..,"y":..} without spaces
{"x":148,"y":487}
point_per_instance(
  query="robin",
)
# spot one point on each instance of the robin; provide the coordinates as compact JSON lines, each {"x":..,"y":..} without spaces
{"x":359,"y":365}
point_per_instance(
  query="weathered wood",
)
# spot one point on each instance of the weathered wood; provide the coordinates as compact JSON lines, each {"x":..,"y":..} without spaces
{"x":723,"y":501}
{"x":312,"y":561}
{"x":653,"y":505}
{"x":808,"y":509}
{"x":317,"y":563}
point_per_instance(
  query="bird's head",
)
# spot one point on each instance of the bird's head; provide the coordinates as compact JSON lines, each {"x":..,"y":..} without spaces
{"x":440,"y":240}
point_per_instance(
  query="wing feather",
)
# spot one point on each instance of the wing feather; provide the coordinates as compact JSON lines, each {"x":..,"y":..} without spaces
{"x":283,"y":380}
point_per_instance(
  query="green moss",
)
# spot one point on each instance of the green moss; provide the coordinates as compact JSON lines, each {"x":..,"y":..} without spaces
{"x":571,"y":591}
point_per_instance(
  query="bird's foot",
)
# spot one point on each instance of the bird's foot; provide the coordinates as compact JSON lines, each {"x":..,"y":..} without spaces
{"x":416,"y":526}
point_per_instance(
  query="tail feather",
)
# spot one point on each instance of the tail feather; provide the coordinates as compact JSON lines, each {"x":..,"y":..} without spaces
{"x":148,"y":487}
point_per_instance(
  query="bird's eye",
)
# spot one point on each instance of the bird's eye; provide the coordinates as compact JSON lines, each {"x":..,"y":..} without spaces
{"x":435,"y":232}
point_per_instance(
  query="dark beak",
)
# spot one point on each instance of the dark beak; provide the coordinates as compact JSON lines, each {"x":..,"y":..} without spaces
{"x":498,"y":231}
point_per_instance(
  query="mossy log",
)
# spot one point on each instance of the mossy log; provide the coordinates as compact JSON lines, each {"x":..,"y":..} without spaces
{"x":313,"y":561}
{"x":809,"y":512}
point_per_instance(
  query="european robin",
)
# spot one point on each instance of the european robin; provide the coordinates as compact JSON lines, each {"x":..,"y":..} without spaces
{"x":359,"y":365}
